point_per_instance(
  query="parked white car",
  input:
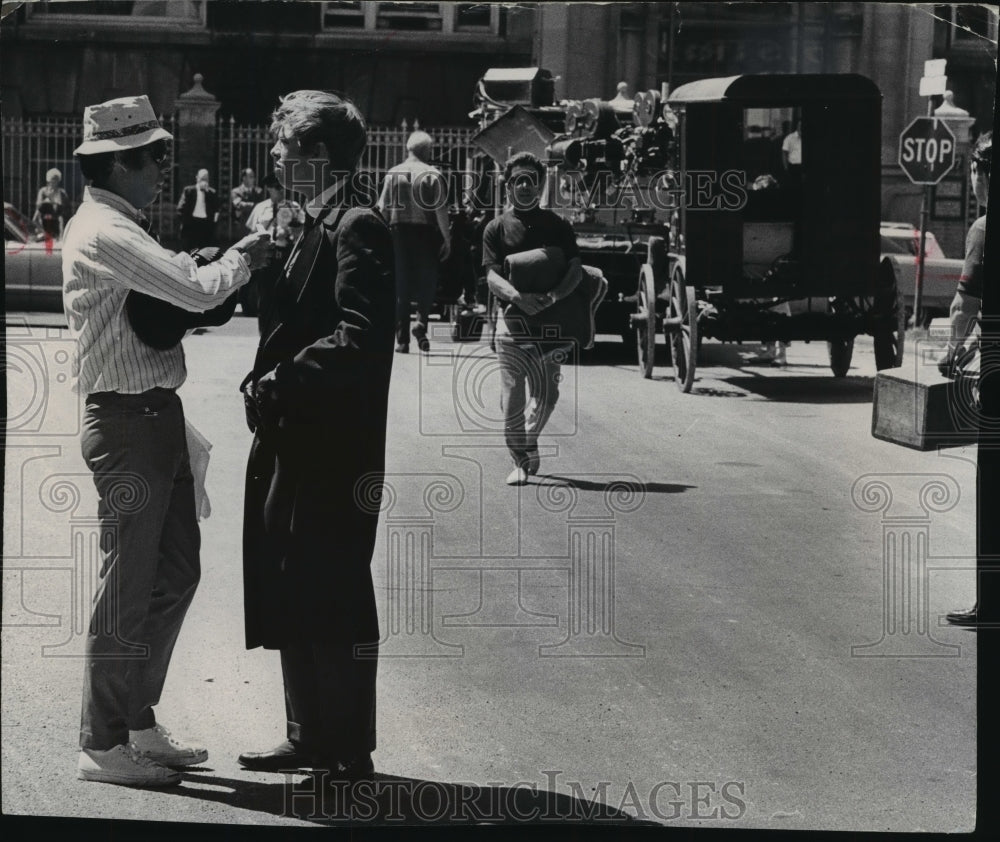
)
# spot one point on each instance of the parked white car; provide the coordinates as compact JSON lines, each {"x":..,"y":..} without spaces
{"x":900,"y":246}
{"x":32,"y":264}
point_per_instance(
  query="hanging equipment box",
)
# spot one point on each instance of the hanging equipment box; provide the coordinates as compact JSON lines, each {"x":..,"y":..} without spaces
{"x":532,"y":86}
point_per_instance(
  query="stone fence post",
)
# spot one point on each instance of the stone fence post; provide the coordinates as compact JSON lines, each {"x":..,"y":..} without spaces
{"x":195,"y":144}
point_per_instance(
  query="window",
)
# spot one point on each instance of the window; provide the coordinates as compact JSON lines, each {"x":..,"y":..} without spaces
{"x":972,"y":21}
{"x":474,"y":16}
{"x":171,"y":11}
{"x":255,"y":17}
{"x":418,"y":16}
{"x":444,"y":18}
{"x":344,"y":15}
{"x":964,"y":26}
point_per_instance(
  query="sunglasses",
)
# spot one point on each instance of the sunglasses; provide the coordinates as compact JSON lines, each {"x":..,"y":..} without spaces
{"x":158,"y":153}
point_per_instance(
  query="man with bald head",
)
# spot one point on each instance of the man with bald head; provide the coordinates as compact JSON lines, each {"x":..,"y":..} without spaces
{"x":199,"y":211}
{"x":414,"y":200}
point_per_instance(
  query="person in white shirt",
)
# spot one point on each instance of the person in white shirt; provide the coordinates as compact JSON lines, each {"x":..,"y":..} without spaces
{"x":199,"y":211}
{"x":791,"y":156}
{"x":134,"y":440}
{"x":282,"y":220}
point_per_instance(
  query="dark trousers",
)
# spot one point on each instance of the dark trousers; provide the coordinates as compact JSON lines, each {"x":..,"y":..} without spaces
{"x":525,"y":369}
{"x":330,"y":698}
{"x":136,"y":447}
{"x":417,"y":249}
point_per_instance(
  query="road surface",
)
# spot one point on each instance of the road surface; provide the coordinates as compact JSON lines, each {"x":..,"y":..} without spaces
{"x":704,"y":611}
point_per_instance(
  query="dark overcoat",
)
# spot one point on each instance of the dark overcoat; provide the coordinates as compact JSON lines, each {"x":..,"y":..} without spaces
{"x":314,"y":475}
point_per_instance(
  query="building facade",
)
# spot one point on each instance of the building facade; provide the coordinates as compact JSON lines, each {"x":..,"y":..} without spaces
{"x":421,"y":61}
{"x":590,"y":48}
{"x":395,"y":60}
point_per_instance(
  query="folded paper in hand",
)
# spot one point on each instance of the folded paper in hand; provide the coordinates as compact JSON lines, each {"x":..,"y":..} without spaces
{"x":198,"y":450}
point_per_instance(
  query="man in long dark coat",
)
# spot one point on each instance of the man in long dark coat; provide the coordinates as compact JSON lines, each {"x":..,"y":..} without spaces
{"x":317,"y":399}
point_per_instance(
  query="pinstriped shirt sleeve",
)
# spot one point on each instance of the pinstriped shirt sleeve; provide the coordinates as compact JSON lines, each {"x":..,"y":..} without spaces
{"x":106,"y":254}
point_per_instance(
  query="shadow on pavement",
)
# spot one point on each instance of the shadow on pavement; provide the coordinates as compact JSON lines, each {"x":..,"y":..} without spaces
{"x":399,"y":801}
{"x":792,"y":389}
{"x":619,"y":485}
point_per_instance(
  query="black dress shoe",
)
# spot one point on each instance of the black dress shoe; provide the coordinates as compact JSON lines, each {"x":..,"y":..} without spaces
{"x":969,"y":617}
{"x":351,"y":771}
{"x":281,"y":758}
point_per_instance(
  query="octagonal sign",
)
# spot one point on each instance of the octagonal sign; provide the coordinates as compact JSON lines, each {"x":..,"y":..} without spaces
{"x":927,"y":150}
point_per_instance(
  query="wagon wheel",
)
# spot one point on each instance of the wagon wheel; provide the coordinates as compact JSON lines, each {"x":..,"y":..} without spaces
{"x":890,"y":339}
{"x":682,"y":324}
{"x":645,"y":321}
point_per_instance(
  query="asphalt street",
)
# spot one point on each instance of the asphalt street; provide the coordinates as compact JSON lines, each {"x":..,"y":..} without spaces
{"x":719,"y":609}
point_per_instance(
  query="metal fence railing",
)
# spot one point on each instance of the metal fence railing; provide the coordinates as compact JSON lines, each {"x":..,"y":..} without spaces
{"x":242,"y":146}
{"x":32,"y":146}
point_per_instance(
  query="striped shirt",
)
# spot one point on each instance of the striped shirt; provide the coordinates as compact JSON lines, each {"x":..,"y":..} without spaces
{"x":105,"y":254}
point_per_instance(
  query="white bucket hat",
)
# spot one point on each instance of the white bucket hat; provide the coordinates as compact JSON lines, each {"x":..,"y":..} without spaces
{"x":125,"y":123}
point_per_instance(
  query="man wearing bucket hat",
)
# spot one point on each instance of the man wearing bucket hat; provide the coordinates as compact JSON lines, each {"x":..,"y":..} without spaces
{"x":134,"y":440}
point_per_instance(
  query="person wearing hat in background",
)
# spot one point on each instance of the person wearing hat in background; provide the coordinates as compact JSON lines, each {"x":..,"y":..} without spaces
{"x":199,"y":211}
{"x":133,"y":439}
{"x":52,"y":205}
{"x":245,"y":196}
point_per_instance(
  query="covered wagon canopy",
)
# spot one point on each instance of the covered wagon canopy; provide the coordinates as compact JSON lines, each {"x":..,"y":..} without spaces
{"x":783,"y":87}
{"x":822,"y":217}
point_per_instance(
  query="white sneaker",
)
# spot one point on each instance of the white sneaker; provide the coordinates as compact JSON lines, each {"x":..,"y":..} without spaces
{"x":157,"y":744}
{"x":123,"y":765}
{"x":517,"y":477}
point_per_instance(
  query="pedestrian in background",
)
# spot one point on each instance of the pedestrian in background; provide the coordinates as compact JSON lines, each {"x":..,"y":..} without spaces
{"x":281,"y":219}
{"x":791,"y":156}
{"x":134,"y":432}
{"x":317,"y":401}
{"x":52,"y":205}
{"x":246,"y":196}
{"x":414,"y":199}
{"x":965,"y":313}
{"x":524,"y":361}
{"x":199,"y":211}
{"x":968,"y":300}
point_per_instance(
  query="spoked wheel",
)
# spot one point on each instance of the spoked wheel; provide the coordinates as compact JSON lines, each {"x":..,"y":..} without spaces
{"x":888,"y":342}
{"x":645,"y":321}
{"x":841,"y":352}
{"x":681,"y":329}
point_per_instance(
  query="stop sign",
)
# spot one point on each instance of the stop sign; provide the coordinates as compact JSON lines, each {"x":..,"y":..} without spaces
{"x":926,"y":150}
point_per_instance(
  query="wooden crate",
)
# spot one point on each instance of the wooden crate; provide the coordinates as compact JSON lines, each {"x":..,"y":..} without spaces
{"x":921,"y":409}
